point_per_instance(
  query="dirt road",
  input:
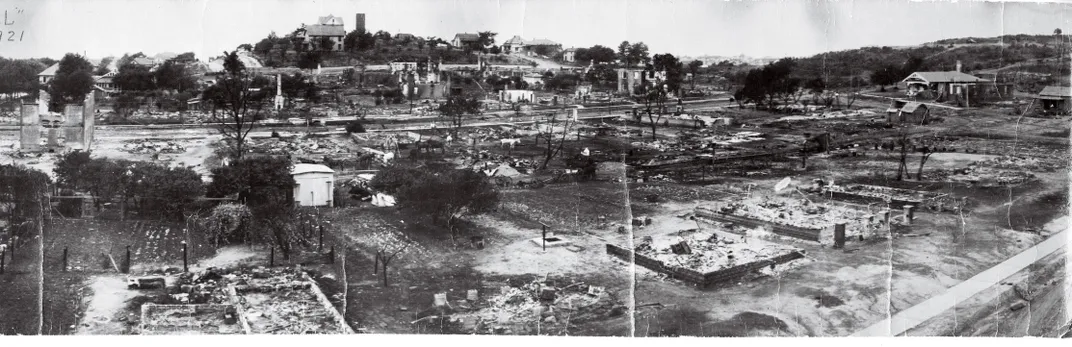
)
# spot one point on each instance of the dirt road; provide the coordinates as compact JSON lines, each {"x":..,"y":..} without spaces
{"x":913,"y":316}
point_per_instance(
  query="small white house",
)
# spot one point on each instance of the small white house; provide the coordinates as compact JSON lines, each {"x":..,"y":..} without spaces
{"x":314,"y":184}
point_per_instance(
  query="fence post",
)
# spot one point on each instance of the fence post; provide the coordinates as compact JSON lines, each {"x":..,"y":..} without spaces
{"x":126,"y":265}
{"x":2,"y":259}
{"x":64,"y":259}
{"x":271,"y":257}
{"x":320,"y":247}
{"x":331,"y":255}
{"x":185,"y":267}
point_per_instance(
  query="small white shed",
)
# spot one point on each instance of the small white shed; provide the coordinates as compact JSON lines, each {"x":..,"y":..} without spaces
{"x":314,"y":184}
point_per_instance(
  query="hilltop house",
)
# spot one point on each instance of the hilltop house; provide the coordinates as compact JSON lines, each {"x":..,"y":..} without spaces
{"x":542,"y":47}
{"x":532,"y":47}
{"x":329,"y":27}
{"x":513,"y":45}
{"x":464,"y":40}
{"x":569,"y":55}
{"x":1055,"y":99}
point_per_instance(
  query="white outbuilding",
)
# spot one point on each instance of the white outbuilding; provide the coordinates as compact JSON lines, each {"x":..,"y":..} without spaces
{"x":314,"y":184}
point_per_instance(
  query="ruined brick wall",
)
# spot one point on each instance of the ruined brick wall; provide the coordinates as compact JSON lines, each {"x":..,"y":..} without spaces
{"x":29,"y":128}
{"x":695,"y":277}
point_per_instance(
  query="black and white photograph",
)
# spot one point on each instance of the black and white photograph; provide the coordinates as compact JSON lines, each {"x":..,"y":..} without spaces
{"x":580,"y":168}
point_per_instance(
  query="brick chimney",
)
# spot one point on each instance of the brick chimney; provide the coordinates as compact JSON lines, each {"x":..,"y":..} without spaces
{"x":959,"y":65}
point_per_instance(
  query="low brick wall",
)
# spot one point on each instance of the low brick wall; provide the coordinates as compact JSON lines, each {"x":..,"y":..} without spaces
{"x":780,"y":229}
{"x":696,"y":277}
{"x":857,"y":198}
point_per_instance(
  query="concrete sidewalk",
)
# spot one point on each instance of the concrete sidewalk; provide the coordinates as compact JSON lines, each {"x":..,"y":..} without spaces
{"x":921,"y":312}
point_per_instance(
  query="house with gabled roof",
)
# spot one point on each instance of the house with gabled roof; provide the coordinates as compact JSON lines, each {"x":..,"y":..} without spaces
{"x":1055,"y":98}
{"x":464,"y":39}
{"x":959,"y":87}
{"x":328,"y":28}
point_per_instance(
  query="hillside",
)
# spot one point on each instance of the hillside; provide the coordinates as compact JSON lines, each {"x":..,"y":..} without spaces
{"x":1030,"y":61}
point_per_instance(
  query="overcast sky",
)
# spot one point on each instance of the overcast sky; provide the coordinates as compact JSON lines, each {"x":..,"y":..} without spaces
{"x":691,"y":27}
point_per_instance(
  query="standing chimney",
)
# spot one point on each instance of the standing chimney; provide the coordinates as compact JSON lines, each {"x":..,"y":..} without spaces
{"x":958,"y":66}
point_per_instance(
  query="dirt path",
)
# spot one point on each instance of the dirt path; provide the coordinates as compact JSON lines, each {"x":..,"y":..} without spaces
{"x":106,"y":306}
{"x":913,"y":316}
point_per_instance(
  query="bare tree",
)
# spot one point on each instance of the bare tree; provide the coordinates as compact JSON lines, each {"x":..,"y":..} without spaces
{"x":388,"y":244}
{"x":656,"y":97}
{"x":553,"y":144}
{"x":236,"y":103}
{"x":925,"y":150}
{"x":457,"y":109}
{"x":904,"y":142}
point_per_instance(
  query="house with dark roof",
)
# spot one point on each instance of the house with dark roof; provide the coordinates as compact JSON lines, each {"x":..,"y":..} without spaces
{"x":907,"y":112}
{"x":1055,"y":99}
{"x":329,"y":29}
{"x":955,"y":86}
{"x":464,"y":39}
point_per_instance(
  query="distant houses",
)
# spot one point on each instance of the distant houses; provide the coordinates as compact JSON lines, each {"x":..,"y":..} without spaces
{"x":326,"y":28}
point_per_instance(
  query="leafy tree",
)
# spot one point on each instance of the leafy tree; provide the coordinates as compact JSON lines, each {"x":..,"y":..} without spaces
{"x":562,"y":81}
{"x":257,"y":181}
{"x":246,"y":47}
{"x":694,"y":69}
{"x":358,"y":40}
{"x":498,"y":50}
{"x":23,"y":191}
{"x":187,"y":57}
{"x":446,"y":194}
{"x":383,"y":37}
{"x":638,"y":54}
{"x":769,"y":84}
{"x":623,"y":53}
{"x":596,"y":54}
{"x":20,"y":76}
{"x":484,"y":40}
{"x":602,"y":74}
{"x":102,"y":68}
{"x":1057,"y":31}
{"x":73,"y":81}
{"x":172,"y":75}
{"x":457,"y":109}
{"x":884,"y":76}
{"x":228,"y":222}
{"x":135,"y":78}
{"x":129,"y":58}
{"x":310,"y":60}
{"x":325,"y":43}
{"x":298,"y":86}
{"x":236,"y":107}
{"x":675,"y":73}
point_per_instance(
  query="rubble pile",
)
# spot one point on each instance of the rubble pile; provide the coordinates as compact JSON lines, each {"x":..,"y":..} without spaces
{"x":709,"y":253}
{"x":152,"y":147}
{"x":881,"y":192}
{"x":801,"y":213}
{"x":182,"y":319}
{"x":544,"y":305}
{"x":1020,"y":163}
{"x":298,"y":146}
{"x":987,"y":177}
{"x":281,"y":301}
